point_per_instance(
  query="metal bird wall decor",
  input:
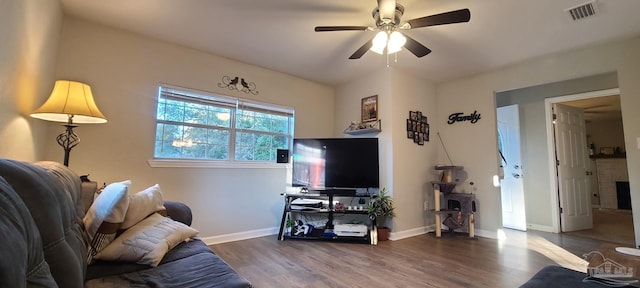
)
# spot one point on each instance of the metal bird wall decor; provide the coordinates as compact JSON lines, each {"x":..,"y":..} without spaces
{"x":239,"y":84}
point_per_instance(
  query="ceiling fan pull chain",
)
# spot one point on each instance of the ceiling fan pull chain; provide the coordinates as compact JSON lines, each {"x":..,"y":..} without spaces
{"x":387,"y":59}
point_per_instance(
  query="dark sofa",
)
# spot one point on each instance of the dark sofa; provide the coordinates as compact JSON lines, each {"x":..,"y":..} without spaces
{"x":554,"y":276}
{"x":43,"y":242}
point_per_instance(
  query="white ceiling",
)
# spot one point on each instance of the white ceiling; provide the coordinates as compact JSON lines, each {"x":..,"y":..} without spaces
{"x":600,"y":108}
{"x":279,"y":35}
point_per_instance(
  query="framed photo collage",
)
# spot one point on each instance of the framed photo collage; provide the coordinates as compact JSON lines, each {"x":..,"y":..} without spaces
{"x":417,"y":127}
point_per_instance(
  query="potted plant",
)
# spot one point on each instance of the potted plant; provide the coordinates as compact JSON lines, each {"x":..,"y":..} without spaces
{"x":289,"y":224}
{"x":379,"y":209}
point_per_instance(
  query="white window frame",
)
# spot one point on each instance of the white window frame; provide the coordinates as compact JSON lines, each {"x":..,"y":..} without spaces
{"x":236,"y":104}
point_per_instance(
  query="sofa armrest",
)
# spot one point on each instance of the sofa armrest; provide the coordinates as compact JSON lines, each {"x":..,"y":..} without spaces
{"x":179,"y":211}
{"x":89,"y":189}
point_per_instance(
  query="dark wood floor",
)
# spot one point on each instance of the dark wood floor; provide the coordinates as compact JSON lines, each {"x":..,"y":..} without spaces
{"x":610,"y":225}
{"x":421,"y":261}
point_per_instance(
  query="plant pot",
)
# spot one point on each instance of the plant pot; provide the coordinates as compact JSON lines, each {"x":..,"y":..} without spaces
{"x":383,"y":233}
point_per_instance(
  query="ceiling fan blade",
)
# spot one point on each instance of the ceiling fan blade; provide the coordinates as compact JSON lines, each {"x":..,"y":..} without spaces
{"x":415,"y":47}
{"x":363,"y":49}
{"x":340,"y":28}
{"x":457,"y":16}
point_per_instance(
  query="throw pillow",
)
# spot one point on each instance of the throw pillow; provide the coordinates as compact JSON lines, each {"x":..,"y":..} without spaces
{"x":125,"y":183}
{"x":148,"y":241}
{"x":143,"y":204}
{"x":104,"y":217}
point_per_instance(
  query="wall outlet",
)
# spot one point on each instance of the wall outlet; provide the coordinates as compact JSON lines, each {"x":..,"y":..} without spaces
{"x":426,"y":205}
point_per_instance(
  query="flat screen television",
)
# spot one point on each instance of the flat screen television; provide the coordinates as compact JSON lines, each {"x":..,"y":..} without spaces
{"x":336,"y":163}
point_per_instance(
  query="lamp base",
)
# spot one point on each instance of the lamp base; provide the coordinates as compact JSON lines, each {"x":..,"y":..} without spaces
{"x":67,"y":140}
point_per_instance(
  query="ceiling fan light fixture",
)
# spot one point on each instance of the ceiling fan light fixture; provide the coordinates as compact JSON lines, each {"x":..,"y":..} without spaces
{"x":396,"y":42}
{"x":379,"y":42}
{"x":387,"y":17}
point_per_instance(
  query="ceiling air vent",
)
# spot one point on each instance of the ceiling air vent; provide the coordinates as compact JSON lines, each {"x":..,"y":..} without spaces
{"x":582,"y":11}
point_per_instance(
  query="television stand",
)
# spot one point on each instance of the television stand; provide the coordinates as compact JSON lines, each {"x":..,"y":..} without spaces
{"x":362,"y":233}
{"x":335,"y":192}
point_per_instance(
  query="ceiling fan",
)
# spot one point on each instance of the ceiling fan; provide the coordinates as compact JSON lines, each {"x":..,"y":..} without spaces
{"x":387,"y":16}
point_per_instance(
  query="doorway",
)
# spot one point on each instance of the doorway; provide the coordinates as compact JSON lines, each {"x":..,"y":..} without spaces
{"x":603,"y":123}
{"x":541,"y":198}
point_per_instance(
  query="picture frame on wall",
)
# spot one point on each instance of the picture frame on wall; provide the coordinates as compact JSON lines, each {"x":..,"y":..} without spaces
{"x":417,"y":127}
{"x":369,"y":108}
{"x":426,"y":132}
{"x":413,"y":115}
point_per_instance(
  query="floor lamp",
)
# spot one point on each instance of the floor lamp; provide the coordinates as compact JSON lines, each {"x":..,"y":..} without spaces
{"x":70,"y":102}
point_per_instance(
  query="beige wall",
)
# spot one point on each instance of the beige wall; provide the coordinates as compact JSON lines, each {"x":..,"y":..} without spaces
{"x":29,"y":36}
{"x":606,"y":133}
{"x":412,"y":163}
{"x":125,"y":69}
{"x":475,"y":145}
{"x":472,"y":146}
{"x":405,"y":168}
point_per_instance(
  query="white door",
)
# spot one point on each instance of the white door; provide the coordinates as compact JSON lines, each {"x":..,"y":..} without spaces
{"x":511,"y":187}
{"x":572,"y":163}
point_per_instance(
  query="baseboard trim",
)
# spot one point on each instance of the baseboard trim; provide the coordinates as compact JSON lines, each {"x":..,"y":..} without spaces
{"x":431,"y":228}
{"x":212,"y":240}
{"x":410,"y":233}
{"x":543,"y":228}
{"x":486,"y":234}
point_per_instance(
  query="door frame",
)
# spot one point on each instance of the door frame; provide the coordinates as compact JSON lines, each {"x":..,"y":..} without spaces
{"x":553,"y":172}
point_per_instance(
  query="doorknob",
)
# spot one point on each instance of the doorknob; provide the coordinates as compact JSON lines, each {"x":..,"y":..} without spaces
{"x":516,"y":175}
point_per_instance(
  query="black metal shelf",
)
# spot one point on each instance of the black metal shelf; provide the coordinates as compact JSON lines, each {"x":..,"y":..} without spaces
{"x":321,"y":237}
{"x":352,"y":212}
{"x":351,"y":239}
{"x":330,"y":212}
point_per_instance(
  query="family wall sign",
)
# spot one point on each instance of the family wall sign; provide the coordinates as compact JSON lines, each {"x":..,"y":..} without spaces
{"x":460,"y":117}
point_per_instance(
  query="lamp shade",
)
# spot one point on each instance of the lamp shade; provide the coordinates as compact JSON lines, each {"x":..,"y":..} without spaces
{"x":393,"y":42}
{"x":396,"y":41}
{"x":379,"y":42}
{"x":70,"y":99}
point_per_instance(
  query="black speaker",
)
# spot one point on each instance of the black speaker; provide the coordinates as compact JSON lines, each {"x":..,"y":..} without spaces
{"x":282,"y":156}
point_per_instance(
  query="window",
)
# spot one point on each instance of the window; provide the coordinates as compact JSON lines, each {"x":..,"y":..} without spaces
{"x":196,"y":125}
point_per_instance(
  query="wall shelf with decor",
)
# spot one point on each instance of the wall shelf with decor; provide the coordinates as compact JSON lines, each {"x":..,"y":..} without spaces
{"x":364,"y":128}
